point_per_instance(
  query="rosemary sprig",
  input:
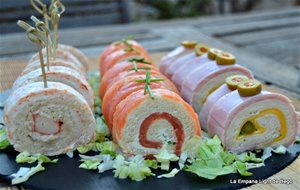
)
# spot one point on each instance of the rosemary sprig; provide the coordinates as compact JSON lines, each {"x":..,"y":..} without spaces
{"x":37,"y":37}
{"x":148,"y":81}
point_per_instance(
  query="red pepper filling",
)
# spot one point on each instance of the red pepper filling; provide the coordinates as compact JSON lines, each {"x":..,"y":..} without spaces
{"x":177,"y":127}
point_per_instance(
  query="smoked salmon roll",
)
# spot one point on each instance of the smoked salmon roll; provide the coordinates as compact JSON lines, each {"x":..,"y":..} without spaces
{"x":123,"y":44}
{"x":120,"y":56}
{"x":205,"y":79}
{"x":253,"y":122}
{"x":124,"y":87}
{"x":141,"y":125}
{"x":186,"y":47}
{"x":63,"y":75}
{"x":49,"y":121}
{"x":108,"y":81}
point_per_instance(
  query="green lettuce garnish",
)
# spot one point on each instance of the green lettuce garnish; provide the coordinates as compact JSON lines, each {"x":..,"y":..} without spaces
{"x":4,"y":143}
{"x":164,"y":158}
{"x":214,"y":161}
{"x":25,"y":157}
{"x":25,"y":173}
{"x":170,"y":174}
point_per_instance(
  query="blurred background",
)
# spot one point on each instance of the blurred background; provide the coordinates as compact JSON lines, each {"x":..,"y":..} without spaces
{"x":263,"y":34}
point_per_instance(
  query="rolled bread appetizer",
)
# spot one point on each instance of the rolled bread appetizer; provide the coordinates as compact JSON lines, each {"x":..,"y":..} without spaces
{"x":231,"y":84}
{"x":186,"y":47}
{"x":119,"y":45}
{"x":107,"y":82}
{"x":184,"y":69}
{"x":48,"y":121}
{"x":203,"y":80}
{"x":141,"y":125}
{"x":120,"y":56}
{"x":124,"y":87}
{"x":63,"y":75}
{"x":61,"y":55}
{"x":246,"y":121}
{"x":200,"y":50}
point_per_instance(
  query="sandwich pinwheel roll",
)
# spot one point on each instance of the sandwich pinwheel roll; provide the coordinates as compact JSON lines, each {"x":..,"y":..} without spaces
{"x":63,"y":75}
{"x":49,"y":121}
{"x":205,"y":79}
{"x":142,"y":125}
{"x":247,"y":119}
{"x":186,"y":47}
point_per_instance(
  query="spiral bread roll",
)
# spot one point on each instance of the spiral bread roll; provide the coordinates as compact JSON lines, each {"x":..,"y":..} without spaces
{"x":142,"y":122}
{"x":63,"y":75}
{"x":141,"y":125}
{"x":48,"y":121}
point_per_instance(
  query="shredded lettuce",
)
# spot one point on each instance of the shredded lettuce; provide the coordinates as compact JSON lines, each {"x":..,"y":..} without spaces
{"x":164,"y":158}
{"x":280,"y":150}
{"x":107,"y":163}
{"x":89,"y":164}
{"x":170,"y":174}
{"x":107,"y":147}
{"x":4,"y":143}
{"x":25,"y":157}
{"x":297,"y":140}
{"x":25,"y":173}
{"x":214,"y":161}
{"x":190,"y":148}
{"x":151,"y":164}
{"x":102,"y":130}
{"x":268,"y":151}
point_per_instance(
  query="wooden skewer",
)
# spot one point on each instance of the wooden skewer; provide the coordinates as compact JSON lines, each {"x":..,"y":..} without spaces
{"x":36,"y":37}
{"x":40,"y":7}
{"x":41,"y":27}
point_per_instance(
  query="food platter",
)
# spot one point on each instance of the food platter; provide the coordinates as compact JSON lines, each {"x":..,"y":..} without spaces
{"x":66,"y":174}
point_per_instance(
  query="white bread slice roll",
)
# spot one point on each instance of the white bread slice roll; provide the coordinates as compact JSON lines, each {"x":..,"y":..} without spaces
{"x":49,"y":121}
{"x":141,"y":125}
{"x":31,"y":66}
{"x":271,"y":116}
{"x":63,"y":55}
{"x":63,"y":75}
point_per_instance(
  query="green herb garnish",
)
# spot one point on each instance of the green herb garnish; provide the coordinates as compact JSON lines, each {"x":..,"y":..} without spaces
{"x":148,"y":81}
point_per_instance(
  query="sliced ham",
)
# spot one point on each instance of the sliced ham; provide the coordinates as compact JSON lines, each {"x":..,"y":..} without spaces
{"x":203,"y":80}
{"x":49,"y":121}
{"x":141,"y":125}
{"x":272,"y":116}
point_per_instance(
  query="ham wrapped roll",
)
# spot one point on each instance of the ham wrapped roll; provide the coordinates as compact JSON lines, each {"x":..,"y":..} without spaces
{"x":119,"y":46}
{"x":141,"y":125}
{"x":61,"y":55}
{"x":199,"y":51}
{"x":203,"y":80}
{"x":253,"y":122}
{"x":124,"y":87}
{"x":63,"y":75}
{"x":186,"y":47}
{"x":49,"y":121}
{"x":31,"y":66}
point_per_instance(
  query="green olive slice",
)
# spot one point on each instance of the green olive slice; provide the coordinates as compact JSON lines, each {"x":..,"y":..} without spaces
{"x":233,"y":81}
{"x":212,"y":53}
{"x":225,"y":58}
{"x":201,"y":49}
{"x":248,"y":128}
{"x":249,"y":87}
{"x":189,"y":44}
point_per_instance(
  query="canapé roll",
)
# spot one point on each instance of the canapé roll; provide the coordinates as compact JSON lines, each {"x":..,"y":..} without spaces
{"x":186,"y":47}
{"x":202,"y":81}
{"x":253,"y":122}
{"x":106,"y":84}
{"x":48,"y":121}
{"x":63,"y":75}
{"x":62,"y":55}
{"x":116,"y":70}
{"x":115,"y":46}
{"x":141,"y":125}
{"x":124,"y":87}
{"x":120,"y":56}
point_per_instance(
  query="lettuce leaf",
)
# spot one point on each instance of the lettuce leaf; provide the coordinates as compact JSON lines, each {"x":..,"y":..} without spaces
{"x":4,"y":143}
{"x":214,"y":161}
{"x":89,"y":164}
{"x":164,"y":158}
{"x":170,"y":174}
{"x":107,"y":147}
{"x":25,"y":157}
{"x":25,"y":173}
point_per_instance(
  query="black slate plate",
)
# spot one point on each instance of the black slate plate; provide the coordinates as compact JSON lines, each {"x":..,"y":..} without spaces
{"x":66,"y":174}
